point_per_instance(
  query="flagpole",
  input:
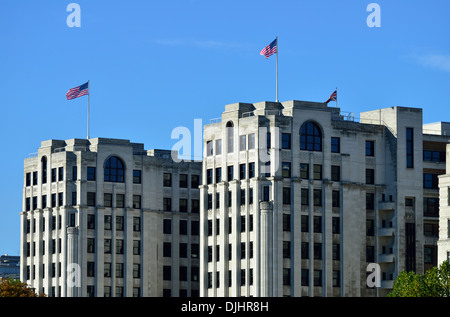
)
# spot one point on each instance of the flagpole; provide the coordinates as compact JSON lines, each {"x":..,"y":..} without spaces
{"x":277,"y":71}
{"x":336,"y":97}
{"x":89,"y":92}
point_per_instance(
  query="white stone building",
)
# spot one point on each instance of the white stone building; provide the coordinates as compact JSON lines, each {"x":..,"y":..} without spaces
{"x":444,"y":214}
{"x":104,"y":217}
{"x":303,"y":210}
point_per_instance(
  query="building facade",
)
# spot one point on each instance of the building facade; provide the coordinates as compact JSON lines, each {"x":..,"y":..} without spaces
{"x":444,"y":214}
{"x":298,"y":198}
{"x":105,"y":217}
{"x":9,"y":266}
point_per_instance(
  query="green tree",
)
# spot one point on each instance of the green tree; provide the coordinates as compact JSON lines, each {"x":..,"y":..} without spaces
{"x":10,"y":287}
{"x":434,"y":283}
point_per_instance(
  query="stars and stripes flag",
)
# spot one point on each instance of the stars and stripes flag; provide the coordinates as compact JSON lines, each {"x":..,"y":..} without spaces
{"x":78,"y":91}
{"x":270,"y":49}
{"x":333,"y":97}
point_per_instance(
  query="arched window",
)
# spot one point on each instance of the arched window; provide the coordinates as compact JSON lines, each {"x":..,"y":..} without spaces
{"x":230,"y":136}
{"x":114,"y":170}
{"x":44,"y":169}
{"x":310,"y":137}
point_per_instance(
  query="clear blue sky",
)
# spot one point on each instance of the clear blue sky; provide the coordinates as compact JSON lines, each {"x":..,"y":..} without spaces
{"x":157,"y":65}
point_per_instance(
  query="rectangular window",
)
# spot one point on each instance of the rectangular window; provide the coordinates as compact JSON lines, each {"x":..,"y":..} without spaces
{"x":53,"y":176}
{"x":251,"y":170}
{"x":317,"y":197}
{"x":183,"y":205}
{"x":90,"y":221}
{"x":336,"y":198}
{"x":317,"y":251}
{"x":317,"y":172}
{"x":195,"y":205}
{"x":431,"y":207}
{"x":183,"y":226}
{"x":370,"y":201}
{"x":209,"y":148}
{"x":286,"y":222}
{"x":218,"y":174}
{"x":370,"y":176}
{"x":120,"y":224}
{"x":250,"y":196}
{"x":230,"y":173}
{"x":265,"y":193}
{"x":317,"y":224}
{"x":35,"y":178}
{"x":409,"y":147}
{"x":304,"y":171}
{"x":60,"y":174}
{"x":218,"y":147}
{"x":107,"y":199}
{"x":108,"y":222}
{"x":335,"y":225}
{"x":430,"y":181}
{"x":286,"y":169}
{"x":335,"y":145}
{"x":242,"y":171}
{"x":370,"y":148}
{"x":90,"y":245}
{"x":137,"y":201}
{"x":60,"y":199}
{"x":44,"y":201}
{"x":167,"y":180}
{"x":210,"y":201}
{"x":286,"y":195}
{"x":305,"y":196}
{"x":74,"y":173}
{"x":242,"y":143}
{"x":251,"y":141}
{"x":335,"y":173}
{"x":195,"y":181}
{"x":28,"y":179}
{"x":242,"y":200}
{"x":120,"y":200}
{"x":91,"y":173}
{"x":167,"y":204}
{"x":137,"y":176}
{"x":286,"y":141}
{"x":317,"y":277}
{"x":90,"y":199}
{"x":167,"y":226}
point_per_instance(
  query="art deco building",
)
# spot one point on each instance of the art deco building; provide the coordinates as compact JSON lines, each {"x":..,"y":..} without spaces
{"x":104,"y":217}
{"x":298,"y":198}
{"x":444,"y":213}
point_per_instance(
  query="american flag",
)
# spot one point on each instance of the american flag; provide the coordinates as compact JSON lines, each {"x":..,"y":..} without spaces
{"x":333,"y":97}
{"x":270,"y":49}
{"x":78,"y":91}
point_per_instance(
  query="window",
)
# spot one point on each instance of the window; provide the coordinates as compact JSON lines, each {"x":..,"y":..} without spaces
{"x":114,"y":170}
{"x":167,"y":204}
{"x":317,"y":224}
{"x":120,"y":200}
{"x":335,"y":145}
{"x":370,"y":253}
{"x":195,"y":227}
{"x":35,"y":178}
{"x":305,"y":196}
{"x":90,"y":245}
{"x":60,"y":199}
{"x":251,"y":170}
{"x":265,"y":193}
{"x":107,"y":198}
{"x":91,"y":173}
{"x":28,"y":179}
{"x":90,"y":199}
{"x":286,"y":276}
{"x":335,"y":225}
{"x":335,"y":173}
{"x":107,"y":248}
{"x":434,"y":156}
{"x":183,"y":229}
{"x":90,"y":221}
{"x":317,"y":251}
{"x":317,"y":197}
{"x":230,"y":136}
{"x":317,"y":277}
{"x":430,"y":181}
{"x":304,"y":171}
{"x":167,"y":226}
{"x":53,"y":175}
{"x":209,"y":148}
{"x":167,"y":180}
{"x":218,"y":147}
{"x":44,"y":201}
{"x":74,"y":173}
{"x":183,"y":205}
{"x":242,"y":143}
{"x":409,"y":147}
{"x":195,"y":181}
{"x":44,"y":169}
{"x":286,"y":222}
{"x":286,"y":141}
{"x":137,"y":176}
{"x":317,"y":172}
{"x":336,"y":251}
{"x":242,"y":200}
{"x":286,"y":249}
{"x":370,"y":176}
{"x":241,"y":171}
{"x":242,"y":223}
{"x":54,"y":200}
{"x":266,"y":168}
{"x":431,"y":207}
{"x":251,"y":141}
{"x":230,"y":173}
{"x":336,"y":278}
{"x":108,"y":222}
{"x":370,"y":227}
{"x":119,"y":246}
{"x":210,"y":198}
{"x":136,"y":270}
{"x":137,"y":201}
{"x":268,"y":135}
{"x":218,"y":174}
{"x":60,"y":173}
{"x":195,"y":205}
{"x":370,"y":148}
{"x":305,"y":276}
{"x":120,"y":223}
{"x":119,"y":274}
{"x":286,"y":169}
{"x":250,"y":196}
{"x":286,"y":195}
{"x":310,"y":137}
{"x":336,"y":198}
{"x":370,"y":201}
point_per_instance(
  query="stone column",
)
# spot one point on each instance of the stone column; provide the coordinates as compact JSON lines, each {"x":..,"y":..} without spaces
{"x":73,"y":269}
{"x":266,"y":253}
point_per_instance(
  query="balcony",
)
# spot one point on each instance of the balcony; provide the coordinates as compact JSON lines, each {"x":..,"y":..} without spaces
{"x":386,"y":205}
{"x":387,"y":284}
